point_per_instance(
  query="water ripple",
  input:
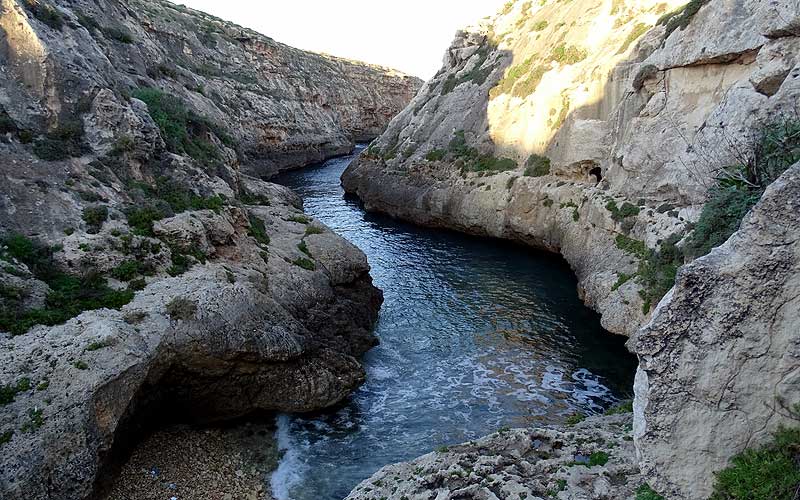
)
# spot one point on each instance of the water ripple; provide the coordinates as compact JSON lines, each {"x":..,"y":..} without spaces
{"x":475,"y":335}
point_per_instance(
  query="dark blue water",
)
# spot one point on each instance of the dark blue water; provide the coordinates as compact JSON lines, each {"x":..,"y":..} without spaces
{"x":476,"y":334}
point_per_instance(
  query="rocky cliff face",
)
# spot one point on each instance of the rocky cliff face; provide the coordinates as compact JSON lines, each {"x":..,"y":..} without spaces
{"x":283,"y":107}
{"x":610,"y":125}
{"x":143,"y":274}
{"x":595,"y":129}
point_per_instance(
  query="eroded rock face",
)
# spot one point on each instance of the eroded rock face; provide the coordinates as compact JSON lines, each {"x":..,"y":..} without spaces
{"x":519,"y":463}
{"x":633,"y":113}
{"x":623,"y":111}
{"x":720,"y":361}
{"x":249,"y":330}
{"x":285,"y":107}
{"x":229,"y":300}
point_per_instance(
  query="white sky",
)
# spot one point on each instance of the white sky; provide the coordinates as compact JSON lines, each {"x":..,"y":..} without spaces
{"x":409,"y":35}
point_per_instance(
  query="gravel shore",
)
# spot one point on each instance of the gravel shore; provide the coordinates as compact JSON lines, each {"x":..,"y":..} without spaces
{"x":187,"y":463}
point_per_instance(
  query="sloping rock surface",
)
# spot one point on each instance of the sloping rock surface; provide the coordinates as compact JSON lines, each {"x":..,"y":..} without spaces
{"x":720,"y":361}
{"x":285,"y":107}
{"x":619,"y":109}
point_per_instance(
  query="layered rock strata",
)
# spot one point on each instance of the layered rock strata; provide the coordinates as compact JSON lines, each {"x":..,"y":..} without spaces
{"x":595,"y":129}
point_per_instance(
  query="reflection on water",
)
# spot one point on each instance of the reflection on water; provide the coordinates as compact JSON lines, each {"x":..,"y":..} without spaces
{"x":475,"y":335}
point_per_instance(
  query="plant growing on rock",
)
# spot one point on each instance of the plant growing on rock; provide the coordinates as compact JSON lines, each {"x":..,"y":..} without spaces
{"x":45,"y":12}
{"x":537,"y":166}
{"x":69,"y":294}
{"x":740,"y":187}
{"x":770,"y":471}
{"x":94,"y":217}
{"x":183,"y":130}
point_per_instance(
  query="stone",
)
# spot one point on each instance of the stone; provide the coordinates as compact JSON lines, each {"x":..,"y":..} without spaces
{"x":518,"y":463}
{"x":718,"y":366}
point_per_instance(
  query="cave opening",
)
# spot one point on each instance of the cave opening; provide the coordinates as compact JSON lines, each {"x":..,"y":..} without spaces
{"x":597,"y":174}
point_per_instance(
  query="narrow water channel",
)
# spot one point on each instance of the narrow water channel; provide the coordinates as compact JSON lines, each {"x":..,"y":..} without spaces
{"x":476,"y":334}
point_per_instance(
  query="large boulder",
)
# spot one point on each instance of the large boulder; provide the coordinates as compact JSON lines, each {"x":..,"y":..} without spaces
{"x":720,"y":361}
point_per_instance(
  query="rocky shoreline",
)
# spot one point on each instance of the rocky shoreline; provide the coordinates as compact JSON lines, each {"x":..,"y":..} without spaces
{"x":602,"y":145}
{"x":143,"y":272}
{"x":217,"y":463}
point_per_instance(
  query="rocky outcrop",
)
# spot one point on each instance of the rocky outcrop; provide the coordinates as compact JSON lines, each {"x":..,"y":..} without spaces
{"x":248,"y":330}
{"x":595,"y":129}
{"x":595,"y":102}
{"x":144,"y":275}
{"x":593,"y":459}
{"x":282,"y":106}
{"x":719,"y":367}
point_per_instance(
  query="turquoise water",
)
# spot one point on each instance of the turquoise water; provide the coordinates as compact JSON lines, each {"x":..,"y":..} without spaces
{"x":476,"y":334}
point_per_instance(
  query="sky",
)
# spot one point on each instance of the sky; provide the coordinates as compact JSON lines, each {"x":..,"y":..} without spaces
{"x":408,"y":35}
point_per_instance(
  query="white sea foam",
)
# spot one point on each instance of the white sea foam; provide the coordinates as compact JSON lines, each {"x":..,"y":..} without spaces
{"x":292,"y":467}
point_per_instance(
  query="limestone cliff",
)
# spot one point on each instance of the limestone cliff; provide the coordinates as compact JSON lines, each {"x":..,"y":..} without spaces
{"x":282,"y":106}
{"x":144,"y":275}
{"x":595,"y":129}
{"x":610,"y":126}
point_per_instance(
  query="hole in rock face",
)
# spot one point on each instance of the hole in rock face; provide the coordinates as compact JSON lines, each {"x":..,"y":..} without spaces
{"x":175,"y":422}
{"x":596,"y":175}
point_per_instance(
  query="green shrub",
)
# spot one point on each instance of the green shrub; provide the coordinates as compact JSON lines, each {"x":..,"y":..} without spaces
{"x":183,"y":131}
{"x":769,"y":472}
{"x":624,"y":407}
{"x":5,"y":437}
{"x":598,"y":458}
{"x":740,"y":187}
{"x":638,"y":30}
{"x":657,"y":268}
{"x":568,"y":54}
{"x":300,"y":219}
{"x":575,"y":418}
{"x":681,"y":17}
{"x":514,"y":83}
{"x":119,"y":34}
{"x":720,"y":218}
{"x":537,"y":166}
{"x":46,"y":13}
{"x":435,"y":155}
{"x":183,"y":259}
{"x":477,"y":75}
{"x":306,"y":264}
{"x":9,"y":392}
{"x":304,"y":248}
{"x":64,"y":142}
{"x":69,"y":295}
{"x":645,"y":492}
{"x":621,"y":213}
{"x":258,"y":230}
{"x":540,"y":26}
{"x":141,"y":219}
{"x":249,"y":198}
{"x":94,"y":217}
{"x":473,"y":160}
{"x":313,"y":230}
{"x":127,"y":270}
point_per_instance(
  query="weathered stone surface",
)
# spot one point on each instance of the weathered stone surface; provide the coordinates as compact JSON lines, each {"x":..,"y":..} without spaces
{"x":511,"y":464}
{"x":656,"y":117}
{"x":254,"y":332}
{"x":653,"y":117}
{"x":720,"y":361}
{"x":285,"y":107}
